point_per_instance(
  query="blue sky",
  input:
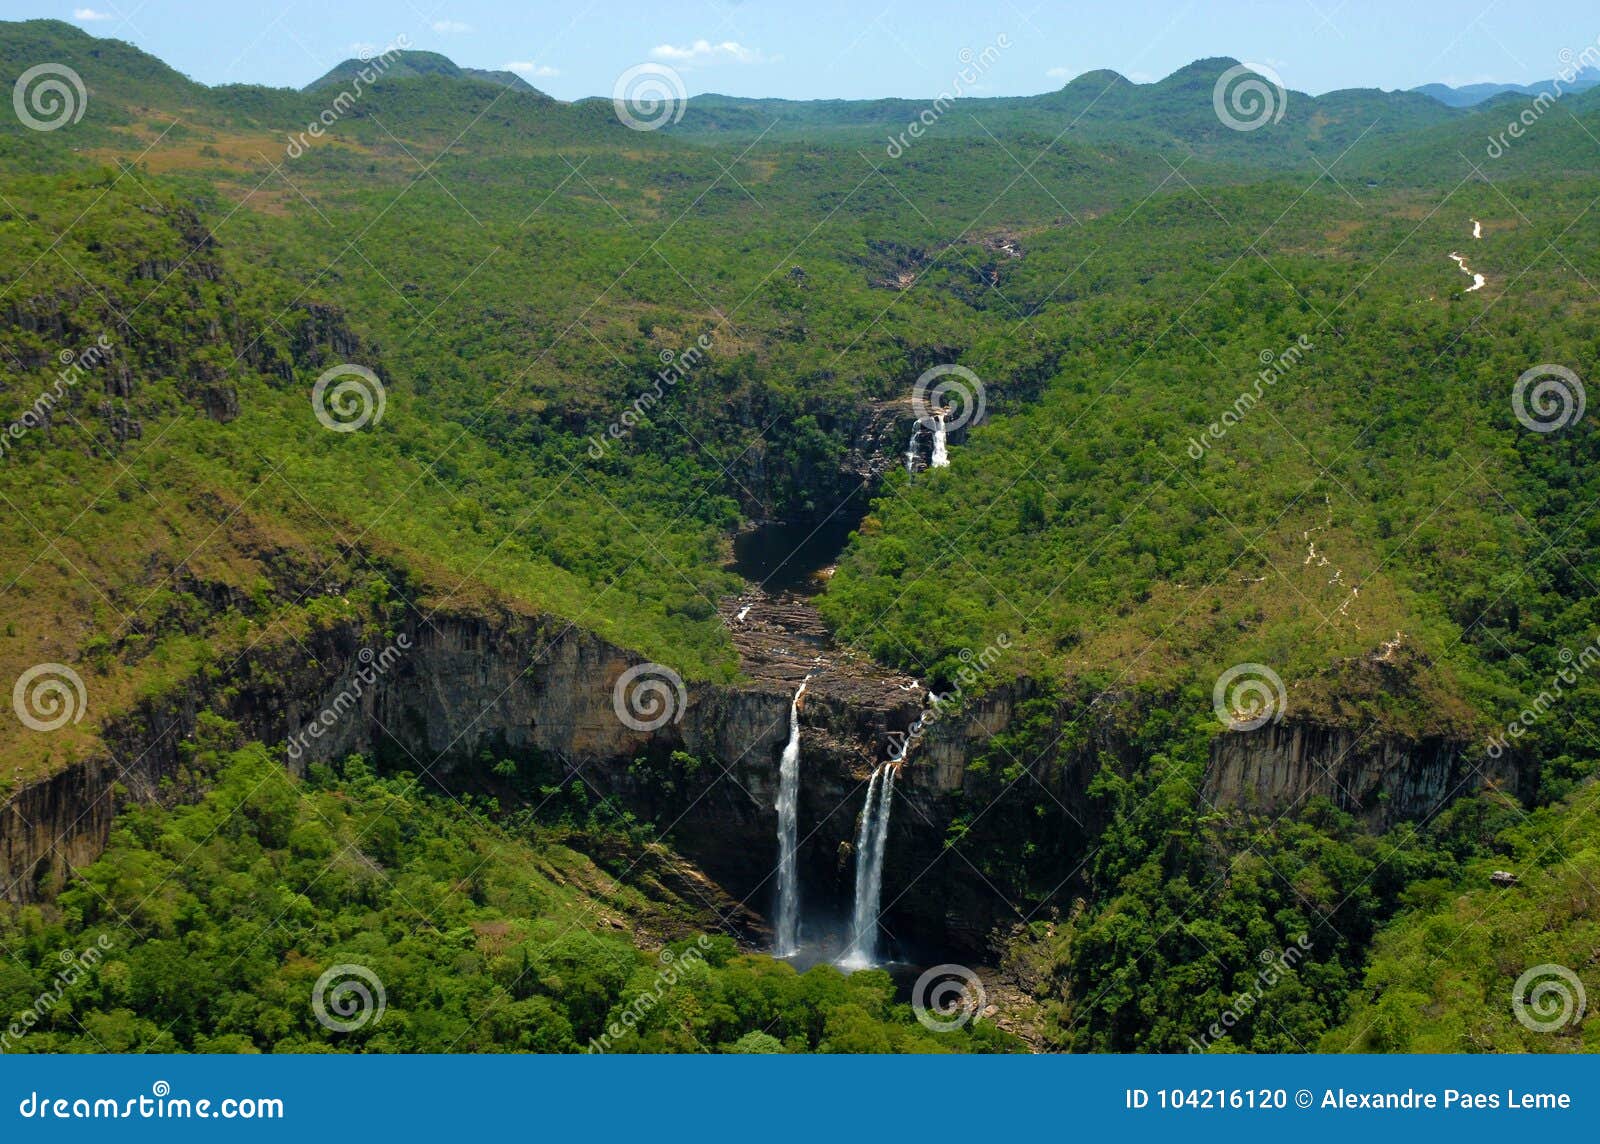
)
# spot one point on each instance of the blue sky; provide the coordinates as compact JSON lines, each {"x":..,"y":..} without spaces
{"x":867,"y":48}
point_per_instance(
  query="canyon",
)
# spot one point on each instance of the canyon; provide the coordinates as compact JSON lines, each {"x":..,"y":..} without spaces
{"x":518,"y":685}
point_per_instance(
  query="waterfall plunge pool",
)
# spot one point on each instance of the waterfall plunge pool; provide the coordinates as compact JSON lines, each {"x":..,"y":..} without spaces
{"x":796,"y":555}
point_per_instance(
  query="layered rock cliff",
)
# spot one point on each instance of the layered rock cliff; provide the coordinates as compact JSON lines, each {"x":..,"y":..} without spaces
{"x":1381,"y":779}
{"x":437,"y":692}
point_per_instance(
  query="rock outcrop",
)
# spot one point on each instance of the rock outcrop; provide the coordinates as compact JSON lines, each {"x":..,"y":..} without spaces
{"x":1381,"y":779}
{"x":454,"y":687}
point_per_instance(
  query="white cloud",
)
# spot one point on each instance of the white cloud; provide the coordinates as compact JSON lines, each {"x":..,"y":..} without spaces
{"x":1059,"y":73}
{"x":88,"y":15}
{"x":524,"y":67}
{"x":704,"y":52}
{"x":446,"y":27}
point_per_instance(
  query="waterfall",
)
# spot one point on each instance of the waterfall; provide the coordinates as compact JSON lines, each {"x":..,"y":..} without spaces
{"x":871,"y":841}
{"x":911,"y":448}
{"x":788,"y":833}
{"x":941,"y":457}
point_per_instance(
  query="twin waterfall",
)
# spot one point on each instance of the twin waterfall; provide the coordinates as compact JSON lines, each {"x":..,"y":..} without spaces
{"x":872,"y":839}
{"x":788,"y":835}
{"x":941,"y":456}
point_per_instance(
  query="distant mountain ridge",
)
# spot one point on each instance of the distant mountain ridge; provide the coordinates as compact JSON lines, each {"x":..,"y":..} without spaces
{"x":1473,"y":94}
{"x":413,"y":64}
{"x":1101,"y":110}
{"x":1102,"y":88}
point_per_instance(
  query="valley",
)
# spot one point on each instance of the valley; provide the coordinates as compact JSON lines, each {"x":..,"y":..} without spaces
{"x":513,"y":552}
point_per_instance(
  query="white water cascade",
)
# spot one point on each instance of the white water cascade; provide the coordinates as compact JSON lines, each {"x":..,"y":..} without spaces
{"x":941,"y":455}
{"x":788,"y":834}
{"x":911,"y":448}
{"x":1478,"y":280}
{"x":872,"y":839}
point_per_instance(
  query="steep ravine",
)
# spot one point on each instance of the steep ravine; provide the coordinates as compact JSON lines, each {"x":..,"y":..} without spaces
{"x":537,"y":689}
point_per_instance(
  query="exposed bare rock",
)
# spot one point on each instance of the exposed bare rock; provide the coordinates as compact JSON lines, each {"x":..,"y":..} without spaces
{"x":1380,"y":778}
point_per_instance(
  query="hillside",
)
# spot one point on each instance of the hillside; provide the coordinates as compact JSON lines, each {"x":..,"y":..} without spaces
{"x":294,"y":376}
{"x":411,"y":64}
{"x":1439,"y":979}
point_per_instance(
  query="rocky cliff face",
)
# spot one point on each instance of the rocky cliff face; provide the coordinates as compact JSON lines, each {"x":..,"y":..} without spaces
{"x":441,"y":691}
{"x":1381,"y":779}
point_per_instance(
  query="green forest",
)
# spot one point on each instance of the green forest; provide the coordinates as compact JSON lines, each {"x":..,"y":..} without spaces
{"x":1241,"y":409}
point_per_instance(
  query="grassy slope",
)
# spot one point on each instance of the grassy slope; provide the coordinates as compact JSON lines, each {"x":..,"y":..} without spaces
{"x":1138,"y":313}
{"x":1441,"y":979}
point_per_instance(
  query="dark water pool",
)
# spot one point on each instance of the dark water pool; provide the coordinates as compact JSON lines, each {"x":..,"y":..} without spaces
{"x":792,"y":556}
